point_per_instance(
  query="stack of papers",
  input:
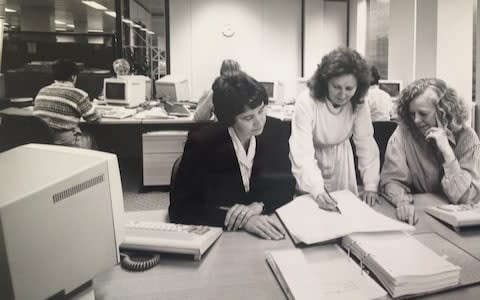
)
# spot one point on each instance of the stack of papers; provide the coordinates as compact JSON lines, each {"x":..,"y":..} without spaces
{"x":402,"y":264}
{"x":456,"y":215}
{"x":117,"y":113}
{"x":153,"y":113}
{"x":327,"y":273}
{"x":309,"y":224}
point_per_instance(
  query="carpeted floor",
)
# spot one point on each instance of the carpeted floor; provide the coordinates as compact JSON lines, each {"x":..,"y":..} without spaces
{"x":135,"y":196}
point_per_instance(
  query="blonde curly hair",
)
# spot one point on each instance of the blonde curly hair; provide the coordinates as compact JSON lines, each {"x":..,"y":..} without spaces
{"x":451,"y":109}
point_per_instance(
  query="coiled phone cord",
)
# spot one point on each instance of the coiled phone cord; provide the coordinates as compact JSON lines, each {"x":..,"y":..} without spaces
{"x":139,"y":261}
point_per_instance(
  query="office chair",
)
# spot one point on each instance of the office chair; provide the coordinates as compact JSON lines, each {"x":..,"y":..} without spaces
{"x":173,"y":175}
{"x":21,"y":126}
{"x":382,"y":132}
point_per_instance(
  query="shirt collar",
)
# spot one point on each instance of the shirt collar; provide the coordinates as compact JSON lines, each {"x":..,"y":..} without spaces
{"x":245,"y":158}
{"x":64,"y":83}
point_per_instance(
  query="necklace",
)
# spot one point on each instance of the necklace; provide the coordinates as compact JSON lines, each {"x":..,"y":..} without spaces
{"x":333,"y":110}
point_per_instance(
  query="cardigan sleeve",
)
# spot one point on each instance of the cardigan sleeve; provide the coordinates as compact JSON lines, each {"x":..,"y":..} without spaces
{"x":461,"y":181}
{"x":367,"y":149}
{"x":302,"y":150}
{"x":187,"y":201}
{"x":396,"y":179}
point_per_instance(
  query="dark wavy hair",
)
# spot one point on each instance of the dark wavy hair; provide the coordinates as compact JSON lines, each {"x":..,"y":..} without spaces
{"x":233,"y":94}
{"x":341,"y":61}
{"x":451,"y":109}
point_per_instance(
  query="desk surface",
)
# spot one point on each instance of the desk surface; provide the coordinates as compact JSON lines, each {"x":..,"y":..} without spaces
{"x":235,"y":268}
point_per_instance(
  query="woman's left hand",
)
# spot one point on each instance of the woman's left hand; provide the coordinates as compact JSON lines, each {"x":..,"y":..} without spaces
{"x":371,"y":198}
{"x":239,"y":214}
{"x":439,"y":135}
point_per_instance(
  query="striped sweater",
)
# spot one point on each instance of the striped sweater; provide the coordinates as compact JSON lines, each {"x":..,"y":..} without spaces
{"x":62,"y":105}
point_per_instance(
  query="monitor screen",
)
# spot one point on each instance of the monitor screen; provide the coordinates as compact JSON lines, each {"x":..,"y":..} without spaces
{"x":269,"y":86}
{"x":115,"y":90}
{"x":393,"y":88}
{"x":166,"y":91}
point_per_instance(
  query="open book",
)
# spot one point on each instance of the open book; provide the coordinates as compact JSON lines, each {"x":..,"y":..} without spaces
{"x":456,"y":215}
{"x":401,"y":263}
{"x":307,"y":223}
{"x":326,"y":272}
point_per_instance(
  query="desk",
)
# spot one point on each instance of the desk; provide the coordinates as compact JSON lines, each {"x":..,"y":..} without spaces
{"x":235,"y":268}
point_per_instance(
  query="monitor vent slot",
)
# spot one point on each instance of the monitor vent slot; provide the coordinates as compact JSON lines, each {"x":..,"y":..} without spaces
{"x":78,"y":188}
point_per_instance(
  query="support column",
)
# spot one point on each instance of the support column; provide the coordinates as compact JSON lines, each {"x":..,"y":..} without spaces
{"x":432,"y":38}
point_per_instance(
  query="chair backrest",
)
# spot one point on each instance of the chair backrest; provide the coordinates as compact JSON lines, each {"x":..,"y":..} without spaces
{"x":21,"y":126}
{"x":173,"y":175}
{"x":382,"y":132}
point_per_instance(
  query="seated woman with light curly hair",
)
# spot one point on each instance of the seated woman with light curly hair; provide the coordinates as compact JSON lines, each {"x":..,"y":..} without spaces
{"x":432,"y":151}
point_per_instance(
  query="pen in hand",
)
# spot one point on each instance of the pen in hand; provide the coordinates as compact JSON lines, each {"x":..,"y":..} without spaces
{"x":336,"y":205}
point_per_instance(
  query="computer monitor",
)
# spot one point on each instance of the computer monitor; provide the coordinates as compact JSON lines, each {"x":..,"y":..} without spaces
{"x":275,"y":90}
{"x":392,"y":87}
{"x":61,"y":219}
{"x":125,"y":90}
{"x":172,"y":88}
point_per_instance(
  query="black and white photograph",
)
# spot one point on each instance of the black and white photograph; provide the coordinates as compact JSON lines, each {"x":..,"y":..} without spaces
{"x":239,"y":149}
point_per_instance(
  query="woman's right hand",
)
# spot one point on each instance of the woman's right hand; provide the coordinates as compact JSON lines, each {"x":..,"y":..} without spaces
{"x":266,"y":227}
{"x":326,"y":202}
{"x":406,"y":213}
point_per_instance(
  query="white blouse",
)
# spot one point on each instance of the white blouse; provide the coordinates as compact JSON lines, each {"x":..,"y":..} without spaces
{"x":320,"y":149}
{"x":245,"y":159}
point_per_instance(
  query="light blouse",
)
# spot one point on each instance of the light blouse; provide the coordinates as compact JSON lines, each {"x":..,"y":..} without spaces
{"x":320,"y":149}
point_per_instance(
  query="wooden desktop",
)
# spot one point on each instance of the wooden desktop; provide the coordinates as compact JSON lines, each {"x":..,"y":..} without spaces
{"x":235,"y":267}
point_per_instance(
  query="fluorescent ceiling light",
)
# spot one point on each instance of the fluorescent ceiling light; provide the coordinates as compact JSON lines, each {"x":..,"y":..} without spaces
{"x":144,"y":29}
{"x":61,"y":29}
{"x":111,"y":13}
{"x":127,"y":21}
{"x":71,"y":25}
{"x":150,"y":32}
{"x":6,"y":24}
{"x":136,"y":25}
{"x":9,"y":10}
{"x":95,"y":30}
{"x":59,"y":22}
{"x":95,"y":5}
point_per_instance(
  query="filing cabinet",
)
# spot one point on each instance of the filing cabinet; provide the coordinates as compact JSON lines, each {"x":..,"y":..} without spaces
{"x":160,"y":150}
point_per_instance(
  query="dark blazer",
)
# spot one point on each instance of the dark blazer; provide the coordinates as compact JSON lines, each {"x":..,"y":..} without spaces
{"x":209,"y":175}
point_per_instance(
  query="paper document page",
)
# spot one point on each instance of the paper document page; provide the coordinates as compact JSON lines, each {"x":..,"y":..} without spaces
{"x":310,"y":224}
{"x":400,"y":254}
{"x":329,"y":274}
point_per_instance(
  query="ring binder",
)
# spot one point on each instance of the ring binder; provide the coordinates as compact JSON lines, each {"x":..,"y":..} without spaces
{"x":416,"y":271}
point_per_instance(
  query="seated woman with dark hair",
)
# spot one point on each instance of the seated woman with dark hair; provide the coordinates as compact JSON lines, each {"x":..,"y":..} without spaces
{"x":432,"y":151}
{"x":236,"y":172}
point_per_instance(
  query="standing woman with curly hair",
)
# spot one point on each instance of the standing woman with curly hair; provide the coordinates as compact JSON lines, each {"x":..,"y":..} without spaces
{"x":326,"y":115}
{"x":432,"y":151}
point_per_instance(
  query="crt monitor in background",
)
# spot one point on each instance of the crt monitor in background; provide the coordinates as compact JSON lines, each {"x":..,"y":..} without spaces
{"x":392,"y":87}
{"x":61,"y":219}
{"x":125,"y":90}
{"x":275,"y":90}
{"x":172,"y":88}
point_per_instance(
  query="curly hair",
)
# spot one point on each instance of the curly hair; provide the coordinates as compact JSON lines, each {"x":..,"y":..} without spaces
{"x":341,"y":61}
{"x":232,"y":94}
{"x":451,"y":109}
{"x":63,"y":69}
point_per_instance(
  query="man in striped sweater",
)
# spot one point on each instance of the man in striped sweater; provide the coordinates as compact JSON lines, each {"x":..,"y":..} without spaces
{"x":62,"y":105}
